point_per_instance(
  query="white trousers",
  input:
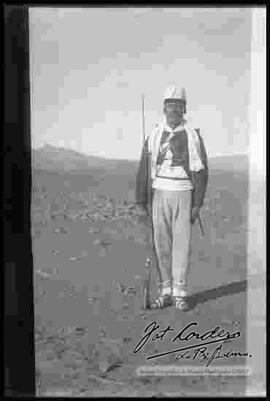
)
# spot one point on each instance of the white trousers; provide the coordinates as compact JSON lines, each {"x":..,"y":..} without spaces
{"x":172,"y":237}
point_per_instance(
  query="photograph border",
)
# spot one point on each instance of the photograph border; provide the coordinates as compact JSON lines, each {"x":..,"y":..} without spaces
{"x":18,"y":345}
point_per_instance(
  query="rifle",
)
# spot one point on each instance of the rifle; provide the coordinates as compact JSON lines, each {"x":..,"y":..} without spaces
{"x":146,"y":285}
{"x":149,"y":260}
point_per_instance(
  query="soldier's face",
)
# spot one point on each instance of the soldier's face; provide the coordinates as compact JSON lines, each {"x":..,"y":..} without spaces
{"x":174,"y":112}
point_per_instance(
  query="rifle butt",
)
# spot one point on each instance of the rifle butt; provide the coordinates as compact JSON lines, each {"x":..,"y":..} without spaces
{"x":146,"y":285}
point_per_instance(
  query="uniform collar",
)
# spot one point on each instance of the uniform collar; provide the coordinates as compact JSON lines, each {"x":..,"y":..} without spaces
{"x":180,"y":127}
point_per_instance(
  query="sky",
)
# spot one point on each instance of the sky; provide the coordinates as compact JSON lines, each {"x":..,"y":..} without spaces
{"x":90,"y":66}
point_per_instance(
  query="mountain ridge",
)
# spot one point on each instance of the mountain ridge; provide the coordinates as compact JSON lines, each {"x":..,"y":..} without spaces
{"x":50,"y":157}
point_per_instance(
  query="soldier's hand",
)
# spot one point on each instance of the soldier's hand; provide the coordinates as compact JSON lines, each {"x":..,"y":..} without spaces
{"x":143,"y":214}
{"x":194,"y":214}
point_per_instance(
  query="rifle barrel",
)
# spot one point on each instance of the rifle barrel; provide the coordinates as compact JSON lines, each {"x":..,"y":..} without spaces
{"x":143,"y":119}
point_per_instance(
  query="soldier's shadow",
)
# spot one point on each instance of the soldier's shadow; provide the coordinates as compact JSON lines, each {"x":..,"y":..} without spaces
{"x":218,"y":292}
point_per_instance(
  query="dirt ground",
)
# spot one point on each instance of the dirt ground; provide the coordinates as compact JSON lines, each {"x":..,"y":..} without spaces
{"x":89,"y":250}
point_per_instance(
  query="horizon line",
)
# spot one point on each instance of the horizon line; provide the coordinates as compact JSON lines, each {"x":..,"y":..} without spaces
{"x":124,"y":158}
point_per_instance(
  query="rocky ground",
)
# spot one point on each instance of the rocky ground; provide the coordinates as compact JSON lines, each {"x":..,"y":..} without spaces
{"x":89,"y":248}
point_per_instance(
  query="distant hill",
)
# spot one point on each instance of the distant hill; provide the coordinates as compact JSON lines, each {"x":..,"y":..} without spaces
{"x":50,"y":157}
{"x":229,"y":162}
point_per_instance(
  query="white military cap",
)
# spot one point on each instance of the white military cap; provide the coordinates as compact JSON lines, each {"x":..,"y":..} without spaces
{"x":172,"y":92}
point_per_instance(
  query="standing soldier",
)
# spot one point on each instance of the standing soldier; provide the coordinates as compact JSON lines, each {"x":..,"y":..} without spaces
{"x":170,"y":188}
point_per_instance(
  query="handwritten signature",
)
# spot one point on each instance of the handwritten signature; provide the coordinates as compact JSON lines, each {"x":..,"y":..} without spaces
{"x":198,"y":350}
{"x":204,"y":355}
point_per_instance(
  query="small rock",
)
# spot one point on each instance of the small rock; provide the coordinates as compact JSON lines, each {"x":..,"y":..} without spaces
{"x":127,"y":340}
{"x":80,"y":331}
{"x":74,"y":258}
{"x":103,"y":365}
{"x":92,"y":300}
{"x":130,"y":291}
{"x":70,"y":290}
{"x":93,"y":230}
{"x":43,"y":274}
{"x":105,"y":243}
{"x":61,"y":230}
